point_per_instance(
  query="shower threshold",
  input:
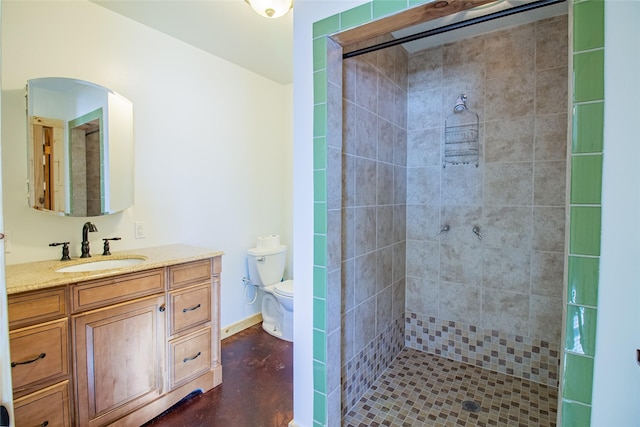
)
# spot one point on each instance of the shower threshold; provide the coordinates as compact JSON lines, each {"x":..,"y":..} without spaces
{"x":421,"y":389}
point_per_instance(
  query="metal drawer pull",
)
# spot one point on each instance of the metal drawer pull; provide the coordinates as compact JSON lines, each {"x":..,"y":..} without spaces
{"x":26,"y":362}
{"x":44,"y":424}
{"x":184,"y":310}
{"x":188,"y":359}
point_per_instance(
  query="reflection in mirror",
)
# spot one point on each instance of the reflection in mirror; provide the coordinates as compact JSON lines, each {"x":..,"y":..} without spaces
{"x":80,"y":148}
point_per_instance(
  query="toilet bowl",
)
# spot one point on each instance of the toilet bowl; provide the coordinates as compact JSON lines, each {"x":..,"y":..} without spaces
{"x":277,"y":310}
{"x":266,"y":267}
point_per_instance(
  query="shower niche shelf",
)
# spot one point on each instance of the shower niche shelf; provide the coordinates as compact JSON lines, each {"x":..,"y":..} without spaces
{"x":461,"y":136}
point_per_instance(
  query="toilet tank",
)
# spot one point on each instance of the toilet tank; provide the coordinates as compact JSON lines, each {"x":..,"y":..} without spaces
{"x":266,"y":266}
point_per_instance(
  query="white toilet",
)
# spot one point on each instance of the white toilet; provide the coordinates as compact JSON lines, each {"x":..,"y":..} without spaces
{"x":266,"y":267}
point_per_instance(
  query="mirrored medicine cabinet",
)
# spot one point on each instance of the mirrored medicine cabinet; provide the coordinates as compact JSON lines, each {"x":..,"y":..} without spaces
{"x":80,"y":148}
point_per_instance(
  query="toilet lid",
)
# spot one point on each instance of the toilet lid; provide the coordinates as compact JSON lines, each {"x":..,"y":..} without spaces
{"x":284,"y":288}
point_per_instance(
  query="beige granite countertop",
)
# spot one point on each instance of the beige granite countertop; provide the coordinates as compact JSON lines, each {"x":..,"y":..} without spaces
{"x":42,"y":274}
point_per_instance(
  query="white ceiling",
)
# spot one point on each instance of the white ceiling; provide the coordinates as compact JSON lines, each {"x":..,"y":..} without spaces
{"x":229,"y":29}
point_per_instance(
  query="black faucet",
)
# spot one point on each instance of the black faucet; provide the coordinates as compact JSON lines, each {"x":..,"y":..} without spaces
{"x":106,"y":250}
{"x":65,"y":250}
{"x":86,"y":228}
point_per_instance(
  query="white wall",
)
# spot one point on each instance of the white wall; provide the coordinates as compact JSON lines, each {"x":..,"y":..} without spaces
{"x":213,"y":141}
{"x":616,"y":388}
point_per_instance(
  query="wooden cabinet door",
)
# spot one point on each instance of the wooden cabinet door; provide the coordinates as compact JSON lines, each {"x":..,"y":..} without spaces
{"x":119,"y":355}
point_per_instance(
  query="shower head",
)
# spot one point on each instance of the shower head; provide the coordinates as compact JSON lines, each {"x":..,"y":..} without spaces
{"x":461,"y":104}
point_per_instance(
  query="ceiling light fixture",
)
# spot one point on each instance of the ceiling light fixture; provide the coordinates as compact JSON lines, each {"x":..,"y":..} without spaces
{"x":271,"y":8}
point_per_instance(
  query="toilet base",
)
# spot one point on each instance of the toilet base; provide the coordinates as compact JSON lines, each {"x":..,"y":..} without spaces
{"x":276,"y":320}
{"x":274,"y":331}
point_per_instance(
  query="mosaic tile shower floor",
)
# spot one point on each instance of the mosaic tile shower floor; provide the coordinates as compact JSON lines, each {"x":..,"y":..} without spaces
{"x":421,"y":389}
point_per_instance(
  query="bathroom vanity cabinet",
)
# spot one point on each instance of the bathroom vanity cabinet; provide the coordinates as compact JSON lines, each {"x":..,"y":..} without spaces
{"x":119,"y":347}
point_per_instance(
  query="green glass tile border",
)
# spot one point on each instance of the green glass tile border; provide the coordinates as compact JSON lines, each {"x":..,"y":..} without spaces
{"x":319,"y":53}
{"x":588,"y":76}
{"x":589,"y":34}
{"x":320,"y":86}
{"x":387,"y":7}
{"x":576,"y":414}
{"x":320,"y":120}
{"x":319,"y":345}
{"x":586,"y":179}
{"x":580,"y":330}
{"x":585,"y":227}
{"x":576,"y":383}
{"x":320,"y":376}
{"x":320,"y":282}
{"x":583,"y":273}
{"x":588,"y":128}
{"x":357,"y":16}
{"x":320,"y":185}
{"x":320,"y":153}
{"x":320,"y":314}
{"x":326,"y":26}
{"x":319,"y":409}
{"x":320,"y":250}
{"x":320,"y":123}
{"x":320,"y":218}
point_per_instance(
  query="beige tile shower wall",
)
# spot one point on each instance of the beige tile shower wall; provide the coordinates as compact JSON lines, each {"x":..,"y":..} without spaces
{"x":374,"y":154}
{"x":94,"y":185}
{"x":511,"y":280}
{"x":79,"y":178}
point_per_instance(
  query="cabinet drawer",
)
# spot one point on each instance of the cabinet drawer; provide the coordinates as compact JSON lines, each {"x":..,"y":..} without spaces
{"x":189,"y":307}
{"x":38,"y":353}
{"x":104,"y":292}
{"x":36,"y":307}
{"x":189,"y":273}
{"x":48,"y":407}
{"x":190,"y":356}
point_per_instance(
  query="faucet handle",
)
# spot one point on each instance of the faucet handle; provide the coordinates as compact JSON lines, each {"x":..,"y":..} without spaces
{"x":65,"y":250}
{"x":106,"y":245}
{"x":476,"y":231}
{"x":443,"y":229}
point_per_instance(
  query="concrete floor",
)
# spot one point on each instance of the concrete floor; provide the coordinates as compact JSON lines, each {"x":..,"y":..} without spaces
{"x":256,"y":389}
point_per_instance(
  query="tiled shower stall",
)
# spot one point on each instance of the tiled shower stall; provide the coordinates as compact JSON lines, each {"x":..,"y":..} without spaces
{"x":385,"y":275}
{"x":493,"y":299}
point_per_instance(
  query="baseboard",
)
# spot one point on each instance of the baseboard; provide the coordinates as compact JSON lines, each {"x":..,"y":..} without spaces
{"x":226,"y":332}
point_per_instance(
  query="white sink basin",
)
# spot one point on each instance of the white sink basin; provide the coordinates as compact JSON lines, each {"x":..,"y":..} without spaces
{"x":109,"y":264}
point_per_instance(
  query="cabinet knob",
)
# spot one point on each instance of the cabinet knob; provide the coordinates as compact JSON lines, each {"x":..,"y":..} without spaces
{"x":162,"y":308}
